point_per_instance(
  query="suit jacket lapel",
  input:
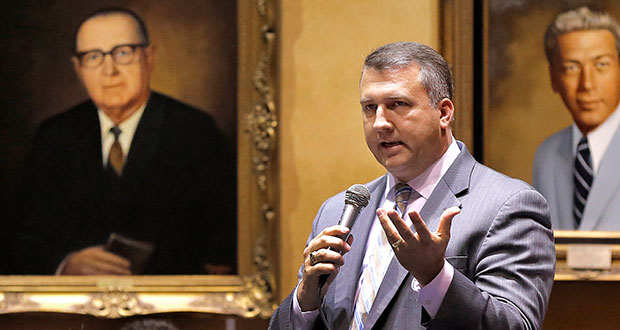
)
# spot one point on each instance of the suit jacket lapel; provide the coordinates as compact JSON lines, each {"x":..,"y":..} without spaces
{"x":89,"y":154}
{"x":345,"y":285}
{"x":603,"y":189}
{"x":563,"y":177}
{"x":452,"y":184}
{"x":145,"y":141}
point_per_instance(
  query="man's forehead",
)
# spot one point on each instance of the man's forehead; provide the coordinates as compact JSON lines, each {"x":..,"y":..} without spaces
{"x":406,"y":74}
{"x":107,"y":31}
{"x":389,"y":84}
{"x":591,"y":43}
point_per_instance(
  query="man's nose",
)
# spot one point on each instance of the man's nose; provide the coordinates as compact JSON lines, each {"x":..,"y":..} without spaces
{"x":381,"y":120}
{"x":109,"y":65}
{"x":587,"y":81}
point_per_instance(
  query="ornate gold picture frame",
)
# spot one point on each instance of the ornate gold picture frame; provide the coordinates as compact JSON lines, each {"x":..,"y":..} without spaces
{"x":251,"y":292}
{"x":592,"y":243}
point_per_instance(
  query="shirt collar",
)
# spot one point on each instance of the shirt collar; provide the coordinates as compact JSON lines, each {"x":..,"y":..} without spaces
{"x":600,"y":138}
{"x":426,"y":182}
{"x":128,"y":126}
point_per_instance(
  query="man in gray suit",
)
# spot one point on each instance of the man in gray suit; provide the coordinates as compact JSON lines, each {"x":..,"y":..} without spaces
{"x":444,"y":243}
{"x":576,"y":168}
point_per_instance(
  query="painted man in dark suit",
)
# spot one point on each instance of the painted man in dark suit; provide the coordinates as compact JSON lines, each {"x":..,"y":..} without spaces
{"x":129,"y":161}
{"x":444,"y":243}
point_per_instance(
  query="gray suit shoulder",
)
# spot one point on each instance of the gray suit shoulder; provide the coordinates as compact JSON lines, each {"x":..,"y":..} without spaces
{"x":496,"y":190}
{"x":546,"y":156}
{"x":496,"y":183}
{"x":552,"y":144}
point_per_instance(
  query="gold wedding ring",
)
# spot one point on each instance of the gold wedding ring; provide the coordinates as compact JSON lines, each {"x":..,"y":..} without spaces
{"x":396,"y":244}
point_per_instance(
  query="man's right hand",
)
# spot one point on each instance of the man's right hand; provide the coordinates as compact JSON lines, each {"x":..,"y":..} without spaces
{"x":95,"y":260}
{"x":323,"y":261}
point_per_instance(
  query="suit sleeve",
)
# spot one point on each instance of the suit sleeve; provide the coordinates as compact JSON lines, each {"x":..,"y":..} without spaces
{"x":538,"y":168}
{"x":512,"y":272}
{"x":213,"y":201}
{"x":30,"y":208}
{"x":282,"y":317}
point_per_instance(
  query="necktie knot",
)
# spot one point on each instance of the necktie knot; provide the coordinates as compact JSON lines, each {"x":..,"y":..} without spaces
{"x":583,"y":148}
{"x":402,"y":195}
{"x":116,"y":131}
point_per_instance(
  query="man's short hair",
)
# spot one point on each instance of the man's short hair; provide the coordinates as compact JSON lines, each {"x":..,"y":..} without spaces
{"x":434,"y":70}
{"x":580,"y":19}
{"x":143,"y":33}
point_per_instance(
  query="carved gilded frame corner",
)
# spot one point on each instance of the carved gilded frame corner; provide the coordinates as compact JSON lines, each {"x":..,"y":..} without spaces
{"x":250,"y":293}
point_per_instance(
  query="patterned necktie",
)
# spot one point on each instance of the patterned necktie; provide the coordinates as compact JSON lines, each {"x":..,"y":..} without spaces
{"x":380,"y":256}
{"x":403,"y":193}
{"x":583,"y":177}
{"x":116,"y":160}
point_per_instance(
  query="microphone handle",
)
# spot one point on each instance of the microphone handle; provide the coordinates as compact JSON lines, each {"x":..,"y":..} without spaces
{"x":348,"y":217}
{"x":323,"y":278}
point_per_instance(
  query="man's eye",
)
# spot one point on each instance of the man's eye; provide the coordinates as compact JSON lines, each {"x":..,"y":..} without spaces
{"x":570,"y":68}
{"x":369,"y":107}
{"x":92,"y":57}
{"x":398,"y":104}
{"x":602,"y":64}
{"x":123,"y":52}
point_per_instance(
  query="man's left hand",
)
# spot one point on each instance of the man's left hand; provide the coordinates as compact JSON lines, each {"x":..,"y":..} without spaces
{"x":421,"y":253}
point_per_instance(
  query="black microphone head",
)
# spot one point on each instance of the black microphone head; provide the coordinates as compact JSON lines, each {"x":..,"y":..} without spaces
{"x":357,"y":194}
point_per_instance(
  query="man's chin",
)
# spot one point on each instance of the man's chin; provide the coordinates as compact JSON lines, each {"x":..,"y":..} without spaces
{"x":113,"y":104}
{"x":590,"y":123}
{"x":395,"y":168}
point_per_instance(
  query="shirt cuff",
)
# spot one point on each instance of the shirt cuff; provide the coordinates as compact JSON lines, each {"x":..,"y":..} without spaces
{"x":63,"y":263}
{"x":302,"y":320}
{"x":431,"y":295}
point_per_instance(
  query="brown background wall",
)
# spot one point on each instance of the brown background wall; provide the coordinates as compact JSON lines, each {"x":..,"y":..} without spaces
{"x":322,"y":148}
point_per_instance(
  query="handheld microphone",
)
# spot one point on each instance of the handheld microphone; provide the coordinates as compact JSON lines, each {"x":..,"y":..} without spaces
{"x":355,"y":199}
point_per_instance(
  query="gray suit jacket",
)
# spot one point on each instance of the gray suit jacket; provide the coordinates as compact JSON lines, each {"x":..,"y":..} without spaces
{"x":501,"y":247}
{"x":553,"y":177}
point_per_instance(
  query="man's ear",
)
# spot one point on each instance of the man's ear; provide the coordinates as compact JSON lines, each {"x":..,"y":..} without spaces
{"x":150,"y":55}
{"x":76,"y":66}
{"x":553,"y":78}
{"x":446,"y":109}
{"x":76,"y":63}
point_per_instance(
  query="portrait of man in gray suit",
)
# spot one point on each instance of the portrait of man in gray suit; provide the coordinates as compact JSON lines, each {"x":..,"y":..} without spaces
{"x":444,"y":242}
{"x":576,"y":168}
